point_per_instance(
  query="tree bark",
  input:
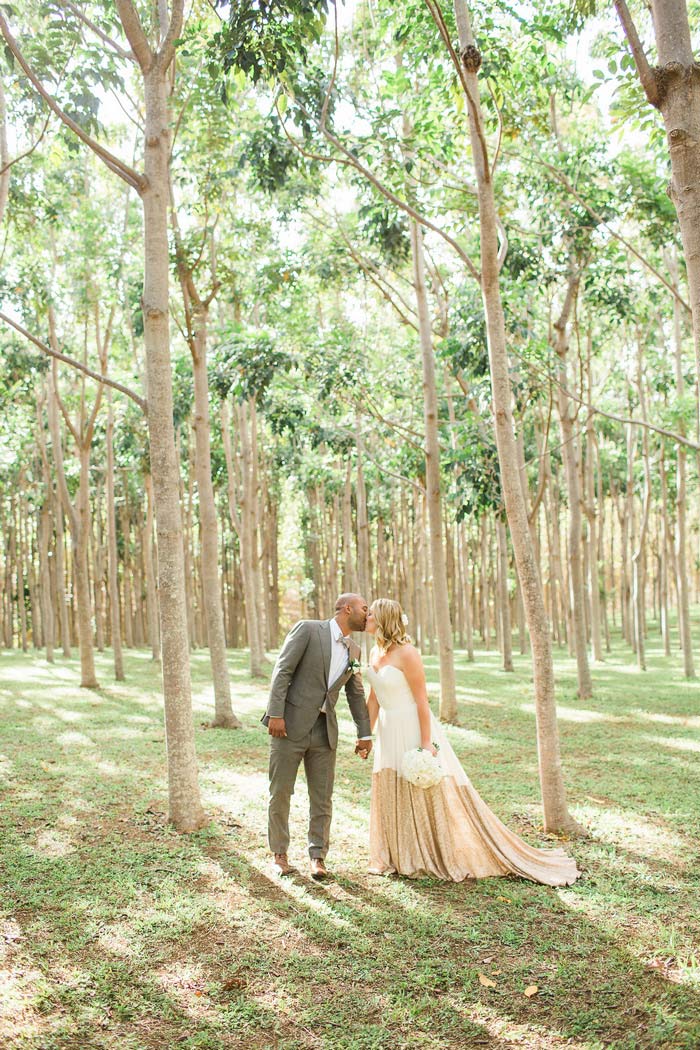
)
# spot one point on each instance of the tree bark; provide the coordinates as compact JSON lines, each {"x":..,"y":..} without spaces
{"x":674,"y":89}
{"x":570,"y":455}
{"x":185,"y":809}
{"x":441,"y":605}
{"x":504,"y":597}
{"x":556,"y":814}
{"x":112,"y":552}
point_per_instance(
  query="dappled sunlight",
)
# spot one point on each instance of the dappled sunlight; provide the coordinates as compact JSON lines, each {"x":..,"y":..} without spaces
{"x":576,"y":714}
{"x":241,"y":786}
{"x":202,"y":940}
{"x":526,"y":1036}
{"x":19,"y":991}
{"x":146,"y":720}
{"x":110,"y":769}
{"x":127,"y":733}
{"x":460,"y":736}
{"x":473,"y":696}
{"x":185,"y":982}
{"x":53,"y":843}
{"x":691,"y":721}
{"x":676,"y":743}
{"x":610,"y":825}
{"x":119,"y":940}
{"x":71,"y":737}
{"x":6,"y":768}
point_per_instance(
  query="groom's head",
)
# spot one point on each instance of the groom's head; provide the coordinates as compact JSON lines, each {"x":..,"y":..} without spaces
{"x":351,"y":612}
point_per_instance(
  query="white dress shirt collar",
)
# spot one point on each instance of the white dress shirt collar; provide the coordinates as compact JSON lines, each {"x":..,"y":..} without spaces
{"x":335,"y":630}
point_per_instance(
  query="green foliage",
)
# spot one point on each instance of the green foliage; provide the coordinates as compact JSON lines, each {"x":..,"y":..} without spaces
{"x":386,"y":228}
{"x":264,"y":38}
{"x":245,"y":363}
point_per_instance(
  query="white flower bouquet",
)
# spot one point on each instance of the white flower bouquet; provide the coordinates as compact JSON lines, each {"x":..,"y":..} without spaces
{"x":421,"y":768}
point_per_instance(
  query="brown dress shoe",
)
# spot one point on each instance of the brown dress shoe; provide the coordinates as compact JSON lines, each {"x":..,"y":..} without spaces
{"x":281,"y":864}
{"x":319,"y":871}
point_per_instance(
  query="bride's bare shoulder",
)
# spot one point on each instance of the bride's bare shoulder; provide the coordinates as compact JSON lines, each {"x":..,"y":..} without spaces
{"x":409,"y":656}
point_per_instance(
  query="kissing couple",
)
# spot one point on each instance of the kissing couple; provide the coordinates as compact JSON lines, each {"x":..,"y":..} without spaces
{"x":445,"y":830}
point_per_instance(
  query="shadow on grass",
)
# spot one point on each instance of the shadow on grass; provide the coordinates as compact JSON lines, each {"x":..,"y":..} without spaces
{"x":131,"y":937}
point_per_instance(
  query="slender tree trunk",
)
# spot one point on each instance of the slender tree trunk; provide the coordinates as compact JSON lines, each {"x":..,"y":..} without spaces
{"x":570,"y":455}
{"x":149,"y":572}
{"x":664,"y":543}
{"x":593,"y":569}
{"x":79,"y":522}
{"x":224,"y":718}
{"x":556,"y":814}
{"x":81,"y":548}
{"x":184,"y":800}
{"x":674,"y":89}
{"x":504,"y":598}
{"x":681,"y":482}
{"x":112,"y":552}
{"x":349,"y":572}
{"x":241,"y":520}
{"x":363,"y":539}
{"x":441,"y":605}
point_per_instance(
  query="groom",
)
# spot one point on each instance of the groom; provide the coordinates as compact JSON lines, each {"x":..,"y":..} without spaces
{"x":317,"y":659}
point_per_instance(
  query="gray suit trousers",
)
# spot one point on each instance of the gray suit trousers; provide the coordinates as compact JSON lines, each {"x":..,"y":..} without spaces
{"x":319,"y":766}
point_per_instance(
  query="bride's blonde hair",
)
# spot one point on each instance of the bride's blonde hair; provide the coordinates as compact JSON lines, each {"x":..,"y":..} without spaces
{"x":391,"y":626}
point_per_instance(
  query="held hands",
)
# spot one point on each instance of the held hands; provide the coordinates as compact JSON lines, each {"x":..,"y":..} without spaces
{"x":277,"y":727}
{"x":363,"y":748}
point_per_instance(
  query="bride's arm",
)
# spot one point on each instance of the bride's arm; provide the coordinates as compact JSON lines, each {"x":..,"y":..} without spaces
{"x":372,"y":708}
{"x":412,"y":666}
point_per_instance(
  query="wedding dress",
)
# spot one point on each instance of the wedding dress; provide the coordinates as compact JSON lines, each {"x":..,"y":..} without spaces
{"x":447,"y":830}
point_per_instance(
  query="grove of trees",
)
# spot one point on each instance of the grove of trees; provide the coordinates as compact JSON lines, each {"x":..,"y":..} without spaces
{"x":397,"y":298}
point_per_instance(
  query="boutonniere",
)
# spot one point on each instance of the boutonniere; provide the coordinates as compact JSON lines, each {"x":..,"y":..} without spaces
{"x":354,"y":666}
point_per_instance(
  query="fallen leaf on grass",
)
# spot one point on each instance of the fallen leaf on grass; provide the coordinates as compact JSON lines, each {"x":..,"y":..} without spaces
{"x":531,"y":990}
{"x":508,"y":900}
{"x":496,"y":973}
{"x":486,"y":981}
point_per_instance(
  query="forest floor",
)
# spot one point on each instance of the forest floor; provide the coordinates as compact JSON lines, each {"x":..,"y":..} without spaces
{"x":117,"y":933}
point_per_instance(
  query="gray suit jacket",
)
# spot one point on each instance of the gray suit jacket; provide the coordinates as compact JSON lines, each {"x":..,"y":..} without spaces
{"x":300,"y":683}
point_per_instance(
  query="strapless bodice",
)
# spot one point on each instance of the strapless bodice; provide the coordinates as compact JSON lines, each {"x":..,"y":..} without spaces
{"x":391,"y":688}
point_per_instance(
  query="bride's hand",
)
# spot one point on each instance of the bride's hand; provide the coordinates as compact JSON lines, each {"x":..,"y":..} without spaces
{"x":430,"y":746}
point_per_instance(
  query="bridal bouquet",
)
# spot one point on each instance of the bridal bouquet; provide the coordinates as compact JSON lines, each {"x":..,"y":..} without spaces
{"x":421,"y":768}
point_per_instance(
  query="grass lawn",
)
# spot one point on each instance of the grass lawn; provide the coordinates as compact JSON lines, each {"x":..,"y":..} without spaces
{"x":118,"y":933}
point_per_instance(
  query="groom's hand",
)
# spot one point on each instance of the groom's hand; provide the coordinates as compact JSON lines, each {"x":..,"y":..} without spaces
{"x":277,"y":727}
{"x":363,"y":748}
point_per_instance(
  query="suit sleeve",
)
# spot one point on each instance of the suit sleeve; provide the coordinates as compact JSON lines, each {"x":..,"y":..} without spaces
{"x":354,"y":690}
{"x":291,"y":653}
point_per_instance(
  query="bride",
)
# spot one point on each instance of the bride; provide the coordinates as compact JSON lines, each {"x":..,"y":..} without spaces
{"x":446,"y":830}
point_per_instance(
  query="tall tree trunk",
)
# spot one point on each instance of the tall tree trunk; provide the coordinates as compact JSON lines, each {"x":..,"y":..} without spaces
{"x":570,"y":455}
{"x":349,"y":572}
{"x":592,"y":515}
{"x":149,"y":572}
{"x":224,"y":718}
{"x":504,"y":597}
{"x":242,"y":519}
{"x":674,"y":89}
{"x":441,"y":604}
{"x":185,"y":809}
{"x":681,"y":477}
{"x":79,"y":524}
{"x":112,"y":553}
{"x":556,"y":814}
{"x":664,"y":543}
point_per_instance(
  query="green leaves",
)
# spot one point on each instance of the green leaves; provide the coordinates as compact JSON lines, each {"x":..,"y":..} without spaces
{"x":245,"y":363}
{"x":264,"y":38}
